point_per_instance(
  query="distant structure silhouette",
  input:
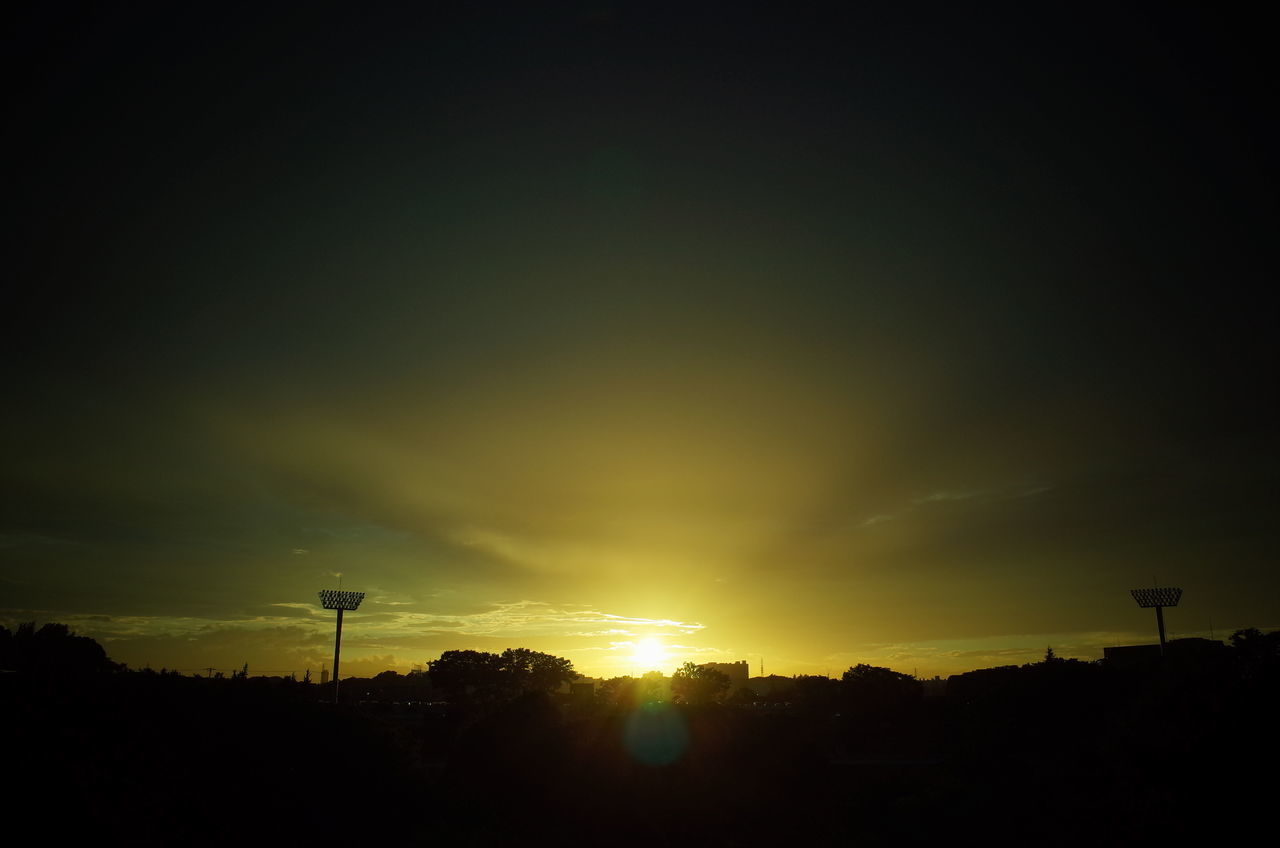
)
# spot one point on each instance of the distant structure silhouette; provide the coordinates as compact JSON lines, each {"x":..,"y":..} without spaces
{"x":1158,"y":598}
{"x":739,"y":673}
{"x":1187,"y":650}
{"x":336,"y":599}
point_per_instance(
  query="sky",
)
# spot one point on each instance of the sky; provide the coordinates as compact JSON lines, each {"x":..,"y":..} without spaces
{"x":638,"y":333}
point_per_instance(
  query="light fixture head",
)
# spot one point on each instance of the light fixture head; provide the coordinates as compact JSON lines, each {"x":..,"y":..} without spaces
{"x":1156,"y":597}
{"x":338,"y":599}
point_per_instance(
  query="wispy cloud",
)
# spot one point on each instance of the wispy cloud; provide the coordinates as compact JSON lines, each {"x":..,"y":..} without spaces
{"x":524,"y":619}
{"x":943,"y":496}
{"x":948,"y":496}
{"x":311,"y":608}
{"x":537,"y":618}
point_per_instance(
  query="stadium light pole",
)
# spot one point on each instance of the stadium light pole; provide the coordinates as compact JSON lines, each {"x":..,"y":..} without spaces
{"x":1158,"y":598}
{"x":336,"y":599}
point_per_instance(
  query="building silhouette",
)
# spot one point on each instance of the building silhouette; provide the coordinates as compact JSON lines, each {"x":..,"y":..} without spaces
{"x":739,"y":673}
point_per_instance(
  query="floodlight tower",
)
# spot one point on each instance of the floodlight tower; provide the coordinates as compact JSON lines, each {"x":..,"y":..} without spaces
{"x":336,"y":599}
{"x":1158,"y":598}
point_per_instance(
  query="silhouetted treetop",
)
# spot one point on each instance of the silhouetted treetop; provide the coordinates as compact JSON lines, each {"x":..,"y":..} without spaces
{"x":479,"y":675}
{"x":695,"y":684}
{"x":52,"y":650}
{"x":1257,"y":653}
{"x":535,"y":671}
{"x":618,"y":691}
{"x":870,"y":689}
{"x":873,"y":675}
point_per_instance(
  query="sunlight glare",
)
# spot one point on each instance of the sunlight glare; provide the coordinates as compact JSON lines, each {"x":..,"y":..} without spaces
{"x":650,"y":653}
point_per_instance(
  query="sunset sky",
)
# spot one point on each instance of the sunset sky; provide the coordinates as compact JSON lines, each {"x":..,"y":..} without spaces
{"x":913,"y":338}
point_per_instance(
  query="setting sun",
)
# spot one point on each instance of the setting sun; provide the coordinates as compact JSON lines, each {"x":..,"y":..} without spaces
{"x":650,"y":653}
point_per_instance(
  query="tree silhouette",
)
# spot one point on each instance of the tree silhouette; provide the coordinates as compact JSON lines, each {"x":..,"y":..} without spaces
{"x":1257,"y":653}
{"x":470,"y":675}
{"x":52,"y":650}
{"x":618,"y":691}
{"x":872,"y":690}
{"x":483,"y":676}
{"x":652,"y":686}
{"x":695,"y":684}
{"x":533,"y":671}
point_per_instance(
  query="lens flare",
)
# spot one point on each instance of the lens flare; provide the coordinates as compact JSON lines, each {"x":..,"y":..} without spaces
{"x":655,"y":734}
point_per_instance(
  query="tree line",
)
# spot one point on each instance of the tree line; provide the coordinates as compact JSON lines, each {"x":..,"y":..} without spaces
{"x":470,"y":677}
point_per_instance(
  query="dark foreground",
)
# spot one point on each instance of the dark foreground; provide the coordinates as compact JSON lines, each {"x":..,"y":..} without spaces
{"x":1070,"y":755}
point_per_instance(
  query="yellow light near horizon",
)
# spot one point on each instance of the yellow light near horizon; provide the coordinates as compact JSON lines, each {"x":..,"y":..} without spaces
{"x":650,"y":653}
